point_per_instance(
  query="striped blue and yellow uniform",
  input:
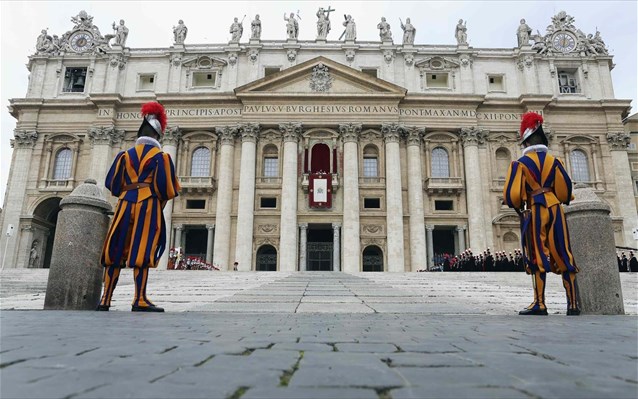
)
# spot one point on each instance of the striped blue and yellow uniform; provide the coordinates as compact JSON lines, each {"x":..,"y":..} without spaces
{"x":540,"y":181}
{"x":137,"y":236}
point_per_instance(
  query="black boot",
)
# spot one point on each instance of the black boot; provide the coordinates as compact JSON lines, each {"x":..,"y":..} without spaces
{"x":151,"y":308}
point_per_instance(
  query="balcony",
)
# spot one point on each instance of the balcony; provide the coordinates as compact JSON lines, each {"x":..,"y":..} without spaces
{"x":305,"y":182}
{"x":58,"y":185}
{"x":197,"y":184}
{"x":443,"y":185}
{"x":372,"y":182}
{"x":270,"y":181}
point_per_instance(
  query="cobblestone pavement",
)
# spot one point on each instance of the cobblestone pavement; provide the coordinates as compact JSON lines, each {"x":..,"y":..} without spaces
{"x":316,"y":335}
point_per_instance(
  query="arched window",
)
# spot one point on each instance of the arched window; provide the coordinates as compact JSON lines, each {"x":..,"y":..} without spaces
{"x":200,"y":163}
{"x":62,"y":166}
{"x":580,"y":168}
{"x":271,"y":161}
{"x":440,"y":163}
{"x":370,"y":161}
{"x":503,"y":160}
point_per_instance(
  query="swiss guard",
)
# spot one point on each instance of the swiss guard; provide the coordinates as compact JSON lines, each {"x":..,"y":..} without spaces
{"x":536,"y":186}
{"x":143,"y":178}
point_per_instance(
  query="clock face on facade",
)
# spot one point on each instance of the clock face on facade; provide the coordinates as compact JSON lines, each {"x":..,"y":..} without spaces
{"x":81,"y":41}
{"x":564,"y":42}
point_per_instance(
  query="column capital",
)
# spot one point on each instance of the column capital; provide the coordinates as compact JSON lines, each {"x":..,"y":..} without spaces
{"x":336,"y":226}
{"x":179,"y":227}
{"x":24,"y":139}
{"x":249,"y":132}
{"x":618,"y":141}
{"x":227,"y":134}
{"x":391,"y":132}
{"x":429,"y":227}
{"x":171,"y":136}
{"x":208,"y":226}
{"x":460,"y":228}
{"x":473,"y":135}
{"x":291,"y":131}
{"x":350,"y":132}
{"x":414,"y":135}
{"x":303,"y":226}
{"x":105,"y":135}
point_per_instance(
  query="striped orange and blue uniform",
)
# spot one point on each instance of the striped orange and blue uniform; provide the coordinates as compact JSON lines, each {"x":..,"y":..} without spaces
{"x":137,"y":236}
{"x":540,"y":181}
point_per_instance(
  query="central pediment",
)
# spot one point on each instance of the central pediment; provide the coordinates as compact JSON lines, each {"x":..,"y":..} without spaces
{"x":320,"y":78}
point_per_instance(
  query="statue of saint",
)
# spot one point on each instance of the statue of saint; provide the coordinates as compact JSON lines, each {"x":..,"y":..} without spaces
{"x":292,"y":26}
{"x":236,"y":30}
{"x":34,"y":257}
{"x":323,"y":23}
{"x":351,"y":29}
{"x":409,"y":31}
{"x":384,"y":30}
{"x":44,"y":42}
{"x":121,"y":33}
{"x":179,"y":32}
{"x":255,"y":28}
{"x":461,"y":32}
{"x":523,"y":34}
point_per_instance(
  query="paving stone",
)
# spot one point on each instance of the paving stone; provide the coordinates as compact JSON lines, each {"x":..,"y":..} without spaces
{"x":315,"y":393}
{"x":366,"y":348}
{"x":334,"y":308}
{"x":435,"y":391}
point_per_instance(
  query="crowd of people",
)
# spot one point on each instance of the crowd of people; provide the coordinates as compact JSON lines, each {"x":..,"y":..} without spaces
{"x":178,"y":261}
{"x":486,"y":261}
{"x":627,"y":264}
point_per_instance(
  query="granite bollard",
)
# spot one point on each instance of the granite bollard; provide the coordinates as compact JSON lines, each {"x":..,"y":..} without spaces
{"x":592,"y":242}
{"x":75,"y":277}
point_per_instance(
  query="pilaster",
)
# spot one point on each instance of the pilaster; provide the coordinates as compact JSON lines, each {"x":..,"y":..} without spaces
{"x":351,"y":230}
{"x":288,"y":238}
{"x":472,"y":137}
{"x":618,"y":144}
{"x":394,"y":197}
{"x":418,"y":251}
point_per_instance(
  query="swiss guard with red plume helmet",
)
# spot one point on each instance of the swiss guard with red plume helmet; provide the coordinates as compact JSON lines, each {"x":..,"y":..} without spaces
{"x":536,"y":186}
{"x":143,"y":178}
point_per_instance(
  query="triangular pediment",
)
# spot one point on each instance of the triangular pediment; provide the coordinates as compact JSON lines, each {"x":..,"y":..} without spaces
{"x":320,"y":77}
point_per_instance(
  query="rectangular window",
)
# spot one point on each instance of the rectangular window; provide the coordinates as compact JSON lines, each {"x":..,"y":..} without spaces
{"x":271,"y":167}
{"x":370,"y":167}
{"x":443,"y":205}
{"x":195,"y":204}
{"x":567,"y":82}
{"x":205,"y":79}
{"x":146,"y":82}
{"x":267,"y":202}
{"x":437,"y":80}
{"x":495,"y":83}
{"x":74,"y":80}
{"x":271,"y":71}
{"x":372,"y":203}
{"x":370,"y":71}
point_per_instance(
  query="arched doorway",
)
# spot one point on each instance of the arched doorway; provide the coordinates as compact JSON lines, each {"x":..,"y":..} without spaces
{"x":372,"y":259}
{"x":45,"y":218}
{"x":266,"y":259}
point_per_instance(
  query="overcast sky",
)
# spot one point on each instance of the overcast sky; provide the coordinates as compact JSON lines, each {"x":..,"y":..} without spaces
{"x":491,"y":24}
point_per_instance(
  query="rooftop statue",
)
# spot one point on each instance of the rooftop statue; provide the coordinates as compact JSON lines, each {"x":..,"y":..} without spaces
{"x":523,"y":34}
{"x":351,"y":29}
{"x":461,"y":33}
{"x":121,"y":33}
{"x":323,"y":23}
{"x":255,"y":28}
{"x":292,"y":26}
{"x":236,"y":30}
{"x":179,"y":32}
{"x":409,"y":31}
{"x":385,"y":34}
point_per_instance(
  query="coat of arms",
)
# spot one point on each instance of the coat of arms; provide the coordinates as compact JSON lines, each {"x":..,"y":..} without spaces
{"x":320,"y":80}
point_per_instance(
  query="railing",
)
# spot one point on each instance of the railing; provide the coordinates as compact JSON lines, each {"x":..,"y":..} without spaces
{"x":372,"y":181}
{"x":198,"y":183}
{"x":443,"y":184}
{"x":59,"y":185}
{"x":305,"y":181}
{"x":268,"y":180}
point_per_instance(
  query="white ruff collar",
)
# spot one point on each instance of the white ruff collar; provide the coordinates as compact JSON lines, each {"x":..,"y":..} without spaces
{"x":535,"y":148}
{"x":148,"y":141}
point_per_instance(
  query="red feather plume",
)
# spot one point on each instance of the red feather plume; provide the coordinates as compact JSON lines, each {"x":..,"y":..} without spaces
{"x":530,"y":120}
{"x":155,"y":108}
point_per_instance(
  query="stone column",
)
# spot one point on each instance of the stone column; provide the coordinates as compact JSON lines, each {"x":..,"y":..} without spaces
{"x":618,"y":143}
{"x":336,"y":243}
{"x":471,"y":137}
{"x":102,"y":139}
{"x":394,"y":197}
{"x":303,"y":244}
{"x":23,"y":143}
{"x":224,"y":197}
{"x":170,"y":142}
{"x":415,"y":198}
{"x":209,"y":242}
{"x":430,"y":229}
{"x":351,"y":229}
{"x":249,"y":133}
{"x":460,"y":232}
{"x":288,"y":238}
{"x":178,"y":236}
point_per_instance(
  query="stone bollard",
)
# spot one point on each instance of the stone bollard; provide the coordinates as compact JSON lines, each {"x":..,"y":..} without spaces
{"x":75,"y":277}
{"x":594,"y":249}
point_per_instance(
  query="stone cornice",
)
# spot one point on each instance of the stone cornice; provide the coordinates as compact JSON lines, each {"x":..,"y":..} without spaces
{"x":171,"y":136}
{"x":350,"y":132}
{"x":290,"y":131}
{"x":227,"y":134}
{"x":105,"y":135}
{"x":618,"y":141}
